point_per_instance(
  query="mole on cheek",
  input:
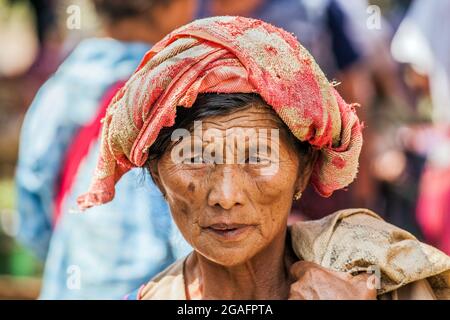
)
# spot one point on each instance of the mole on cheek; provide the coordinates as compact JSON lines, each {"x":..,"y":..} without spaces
{"x":191,"y":187}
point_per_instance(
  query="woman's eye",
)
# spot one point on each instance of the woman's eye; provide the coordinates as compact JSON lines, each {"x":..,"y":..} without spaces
{"x":258,"y":160}
{"x":197,"y":159}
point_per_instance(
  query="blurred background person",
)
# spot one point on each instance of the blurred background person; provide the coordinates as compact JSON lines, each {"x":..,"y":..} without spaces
{"x":20,"y":271}
{"x":422,"y":41}
{"x":393,"y":170}
{"x":85,"y":254}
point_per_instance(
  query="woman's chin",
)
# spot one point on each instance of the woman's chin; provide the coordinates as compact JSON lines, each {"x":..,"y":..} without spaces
{"x":228,"y":255}
{"x":228,"y":260}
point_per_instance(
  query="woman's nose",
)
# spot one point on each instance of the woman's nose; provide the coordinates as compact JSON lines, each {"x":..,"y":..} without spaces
{"x":226,"y":187}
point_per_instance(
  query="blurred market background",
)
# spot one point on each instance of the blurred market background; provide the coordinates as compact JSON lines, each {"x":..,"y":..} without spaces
{"x":395,"y":80}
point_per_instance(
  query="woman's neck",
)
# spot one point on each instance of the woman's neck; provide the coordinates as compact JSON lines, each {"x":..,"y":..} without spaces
{"x":265,"y":276}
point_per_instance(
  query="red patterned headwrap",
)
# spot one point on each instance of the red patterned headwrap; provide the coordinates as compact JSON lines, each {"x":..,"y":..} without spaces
{"x":228,"y":55}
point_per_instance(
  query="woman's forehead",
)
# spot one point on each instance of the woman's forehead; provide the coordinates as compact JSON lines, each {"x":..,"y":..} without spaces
{"x":255,"y":116}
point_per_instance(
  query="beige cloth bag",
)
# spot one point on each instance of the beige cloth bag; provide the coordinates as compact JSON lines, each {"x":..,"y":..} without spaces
{"x":356,"y":240}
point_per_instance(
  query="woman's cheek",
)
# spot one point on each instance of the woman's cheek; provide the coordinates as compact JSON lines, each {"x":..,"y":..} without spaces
{"x":181,"y":196}
{"x":186,"y":221}
{"x":275,"y":186}
{"x":178,"y":181}
{"x":276,"y":200}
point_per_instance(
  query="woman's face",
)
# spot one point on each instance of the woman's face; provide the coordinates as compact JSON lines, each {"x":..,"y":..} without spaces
{"x":232,"y":209}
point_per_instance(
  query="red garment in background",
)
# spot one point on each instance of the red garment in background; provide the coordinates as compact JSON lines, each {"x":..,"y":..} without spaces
{"x":433,"y":207}
{"x":79,"y":149}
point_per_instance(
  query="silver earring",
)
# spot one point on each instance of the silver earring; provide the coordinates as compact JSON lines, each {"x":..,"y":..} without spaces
{"x":298,"y":195}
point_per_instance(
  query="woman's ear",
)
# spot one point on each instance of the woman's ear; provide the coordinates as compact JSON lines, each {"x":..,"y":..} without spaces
{"x":152,"y":166}
{"x":305,"y":170}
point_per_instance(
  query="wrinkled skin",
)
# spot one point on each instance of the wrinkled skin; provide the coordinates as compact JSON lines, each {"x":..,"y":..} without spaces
{"x":236,"y":221}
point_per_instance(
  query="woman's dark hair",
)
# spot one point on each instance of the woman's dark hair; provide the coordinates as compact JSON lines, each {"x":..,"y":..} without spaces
{"x":210,"y":105}
{"x":116,"y":10}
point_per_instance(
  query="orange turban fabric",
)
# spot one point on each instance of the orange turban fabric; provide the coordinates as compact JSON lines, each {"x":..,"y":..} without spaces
{"x":228,"y":55}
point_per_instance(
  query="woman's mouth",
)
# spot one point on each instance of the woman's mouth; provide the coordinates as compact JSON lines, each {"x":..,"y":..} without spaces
{"x":229,"y":232}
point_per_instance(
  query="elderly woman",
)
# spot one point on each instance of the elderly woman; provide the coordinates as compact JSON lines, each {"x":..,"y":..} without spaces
{"x":233,"y":118}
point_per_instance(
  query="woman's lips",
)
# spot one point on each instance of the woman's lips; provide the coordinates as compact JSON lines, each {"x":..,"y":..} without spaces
{"x":229,"y":232}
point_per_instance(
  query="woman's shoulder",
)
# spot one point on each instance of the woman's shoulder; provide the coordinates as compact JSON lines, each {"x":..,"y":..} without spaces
{"x":358,"y":240}
{"x":167,"y":285}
